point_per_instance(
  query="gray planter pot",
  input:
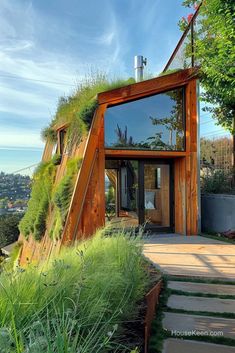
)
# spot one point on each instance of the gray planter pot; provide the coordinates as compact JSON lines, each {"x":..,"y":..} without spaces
{"x":217,"y":212}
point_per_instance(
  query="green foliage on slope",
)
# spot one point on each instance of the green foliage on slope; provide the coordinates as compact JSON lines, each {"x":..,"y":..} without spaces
{"x":34,"y":220}
{"x":78,"y":109}
{"x":49,"y":134}
{"x":45,"y":196}
{"x":78,"y":302}
{"x":62,"y":196}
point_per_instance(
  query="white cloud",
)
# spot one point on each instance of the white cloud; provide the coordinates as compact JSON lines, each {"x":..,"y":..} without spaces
{"x":34,"y":74}
{"x":20,"y":138}
{"x":10,"y":95}
{"x":106,"y":38}
{"x":14,"y":45}
{"x":49,"y":69}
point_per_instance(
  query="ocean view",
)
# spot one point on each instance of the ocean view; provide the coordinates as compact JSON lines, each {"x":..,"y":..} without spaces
{"x":14,"y":159}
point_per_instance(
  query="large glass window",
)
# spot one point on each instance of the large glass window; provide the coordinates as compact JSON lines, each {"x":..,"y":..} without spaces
{"x":151,"y":123}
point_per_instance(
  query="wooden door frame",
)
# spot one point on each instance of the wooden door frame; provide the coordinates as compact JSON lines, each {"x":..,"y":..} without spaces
{"x":141,"y":163}
{"x":152,"y":227}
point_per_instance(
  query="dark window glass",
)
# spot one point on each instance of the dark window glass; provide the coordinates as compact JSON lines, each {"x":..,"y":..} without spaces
{"x":151,"y":123}
{"x":62,"y":134}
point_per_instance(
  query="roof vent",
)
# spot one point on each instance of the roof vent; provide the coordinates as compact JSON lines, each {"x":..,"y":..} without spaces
{"x":139,"y":63}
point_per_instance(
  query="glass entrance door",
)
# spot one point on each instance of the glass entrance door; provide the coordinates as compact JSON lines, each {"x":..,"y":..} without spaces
{"x":156,"y":199}
{"x":121,"y":184}
{"x":139,"y":192}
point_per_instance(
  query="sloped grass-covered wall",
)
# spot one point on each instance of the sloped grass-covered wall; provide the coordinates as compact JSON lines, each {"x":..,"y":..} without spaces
{"x":54,"y":181}
{"x":78,"y":110}
{"x":48,"y":197}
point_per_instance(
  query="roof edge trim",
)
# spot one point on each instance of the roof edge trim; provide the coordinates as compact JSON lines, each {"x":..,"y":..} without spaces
{"x":143,"y":88}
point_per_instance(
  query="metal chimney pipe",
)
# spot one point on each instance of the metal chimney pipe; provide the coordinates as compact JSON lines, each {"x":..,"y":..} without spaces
{"x":139,"y":63}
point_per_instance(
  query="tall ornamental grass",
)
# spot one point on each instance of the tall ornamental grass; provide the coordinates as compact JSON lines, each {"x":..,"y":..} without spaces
{"x":77,"y":302}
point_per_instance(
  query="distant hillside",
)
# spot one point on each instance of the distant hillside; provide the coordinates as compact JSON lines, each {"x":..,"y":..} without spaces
{"x":14,"y":186}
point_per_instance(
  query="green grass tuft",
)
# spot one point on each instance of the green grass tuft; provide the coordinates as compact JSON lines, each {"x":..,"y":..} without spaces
{"x":78,"y":109}
{"x":158,"y":334}
{"x":205,"y":295}
{"x":49,"y":134}
{"x":77,"y":302}
{"x":199,"y":279}
{"x":34,"y":220}
{"x":45,"y":197}
{"x":62,"y":197}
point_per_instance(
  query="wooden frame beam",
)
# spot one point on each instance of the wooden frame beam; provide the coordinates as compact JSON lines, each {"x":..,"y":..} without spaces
{"x":109,"y":153}
{"x":148,"y":87}
{"x":92,"y":153}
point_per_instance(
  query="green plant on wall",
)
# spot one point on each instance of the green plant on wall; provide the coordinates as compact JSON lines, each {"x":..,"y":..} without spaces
{"x":78,"y":109}
{"x":45,"y":197}
{"x":62,"y":196}
{"x":34,"y":220}
{"x":49,"y":134}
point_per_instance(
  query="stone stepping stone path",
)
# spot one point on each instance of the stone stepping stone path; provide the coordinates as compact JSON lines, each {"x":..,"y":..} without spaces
{"x":189,"y":303}
{"x":192,"y":287}
{"x":172,"y":345}
{"x":191,"y":325}
{"x":185,"y":323}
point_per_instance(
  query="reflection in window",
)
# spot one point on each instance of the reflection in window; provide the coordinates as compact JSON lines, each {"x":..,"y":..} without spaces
{"x":152,"y":123}
{"x":158,"y":178}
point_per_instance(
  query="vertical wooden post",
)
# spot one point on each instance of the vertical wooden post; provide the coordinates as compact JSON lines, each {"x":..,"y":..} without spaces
{"x":191,"y":159}
{"x":180,"y":195}
{"x":101,"y":171}
{"x":87,"y":208}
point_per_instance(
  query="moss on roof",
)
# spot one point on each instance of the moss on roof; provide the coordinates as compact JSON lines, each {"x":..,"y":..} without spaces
{"x":78,"y":109}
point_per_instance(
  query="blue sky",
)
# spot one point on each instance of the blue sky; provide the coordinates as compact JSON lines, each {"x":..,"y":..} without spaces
{"x":47,"y":47}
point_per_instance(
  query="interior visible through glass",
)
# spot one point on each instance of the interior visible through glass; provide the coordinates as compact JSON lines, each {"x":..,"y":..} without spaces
{"x":150,"y":123}
{"x":137,"y":192}
{"x":157,"y":194}
{"x":121,"y":192}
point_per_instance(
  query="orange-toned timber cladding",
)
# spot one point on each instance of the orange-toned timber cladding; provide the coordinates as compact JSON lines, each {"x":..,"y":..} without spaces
{"x":185,"y":163}
{"x":186,"y":170}
{"x":87,"y":208}
{"x":87,"y":211}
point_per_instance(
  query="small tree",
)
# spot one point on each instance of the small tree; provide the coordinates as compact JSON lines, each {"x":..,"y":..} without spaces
{"x":215,"y":51}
